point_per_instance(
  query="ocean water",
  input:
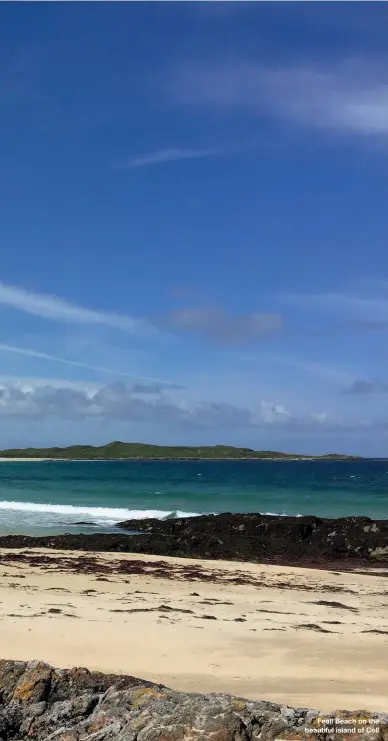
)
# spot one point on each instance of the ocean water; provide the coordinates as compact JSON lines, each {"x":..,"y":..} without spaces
{"x":54,"y":497}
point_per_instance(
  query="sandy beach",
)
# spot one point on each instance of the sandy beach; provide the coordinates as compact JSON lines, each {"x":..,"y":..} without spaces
{"x":23,"y":460}
{"x":297,"y":636}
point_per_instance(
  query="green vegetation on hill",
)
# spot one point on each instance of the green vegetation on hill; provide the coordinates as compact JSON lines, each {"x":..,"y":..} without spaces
{"x":118,"y":450}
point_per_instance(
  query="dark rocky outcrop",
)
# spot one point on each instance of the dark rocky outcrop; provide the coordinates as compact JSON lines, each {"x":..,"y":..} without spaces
{"x":310,"y":541}
{"x":255,"y":537}
{"x":40,"y":703}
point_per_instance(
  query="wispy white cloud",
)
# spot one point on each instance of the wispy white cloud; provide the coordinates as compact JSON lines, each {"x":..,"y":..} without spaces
{"x":173,"y":154}
{"x":371,"y":310}
{"x":28,"y":352}
{"x":48,"y":306}
{"x":351,"y":96}
{"x":319,"y":370}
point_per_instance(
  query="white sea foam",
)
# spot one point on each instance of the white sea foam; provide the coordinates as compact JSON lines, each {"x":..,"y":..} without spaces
{"x":280,"y":514}
{"x":50,"y":515}
{"x":105,"y":515}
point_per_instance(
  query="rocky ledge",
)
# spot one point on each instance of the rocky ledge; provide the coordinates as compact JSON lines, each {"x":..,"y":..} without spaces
{"x":257,"y":538}
{"x":40,"y":703}
{"x":347,"y":542}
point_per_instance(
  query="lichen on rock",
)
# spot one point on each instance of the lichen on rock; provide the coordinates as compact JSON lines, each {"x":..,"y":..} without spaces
{"x":39,"y":703}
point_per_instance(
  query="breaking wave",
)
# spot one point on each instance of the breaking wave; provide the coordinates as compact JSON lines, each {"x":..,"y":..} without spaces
{"x":105,"y":515}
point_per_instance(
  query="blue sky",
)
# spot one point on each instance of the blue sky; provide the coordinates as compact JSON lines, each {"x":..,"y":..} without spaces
{"x":194,"y":224}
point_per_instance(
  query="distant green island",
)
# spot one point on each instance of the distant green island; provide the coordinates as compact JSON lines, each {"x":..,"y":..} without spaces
{"x":140,"y":451}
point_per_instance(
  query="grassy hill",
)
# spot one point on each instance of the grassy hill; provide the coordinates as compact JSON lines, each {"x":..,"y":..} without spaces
{"x":119,"y":450}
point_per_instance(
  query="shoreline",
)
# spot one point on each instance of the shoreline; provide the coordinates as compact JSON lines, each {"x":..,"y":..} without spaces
{"x":346,"y":544}
{"x":348,"y":459}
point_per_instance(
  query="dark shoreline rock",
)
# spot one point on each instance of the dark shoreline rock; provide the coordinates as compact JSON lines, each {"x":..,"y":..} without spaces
{"x":309,"y":541}
{"x":255,"y":537}
{"x":40,"y":703}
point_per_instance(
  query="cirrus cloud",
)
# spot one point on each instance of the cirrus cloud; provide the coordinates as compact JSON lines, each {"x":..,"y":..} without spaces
{"x":351,"y":96}
{"x":172,"y":154}
{"x":48,"y":306}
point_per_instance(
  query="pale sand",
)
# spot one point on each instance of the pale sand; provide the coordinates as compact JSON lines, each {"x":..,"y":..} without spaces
{"x":23,"y":460}
{"x":266,"y":657}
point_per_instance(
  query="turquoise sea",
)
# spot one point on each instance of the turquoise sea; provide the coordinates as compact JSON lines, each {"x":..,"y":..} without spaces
{"x":52,"y":497}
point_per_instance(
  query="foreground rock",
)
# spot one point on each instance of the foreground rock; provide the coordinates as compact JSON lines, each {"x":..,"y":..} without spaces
{"x":310,"y":541}
{"x":40,"y":703}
